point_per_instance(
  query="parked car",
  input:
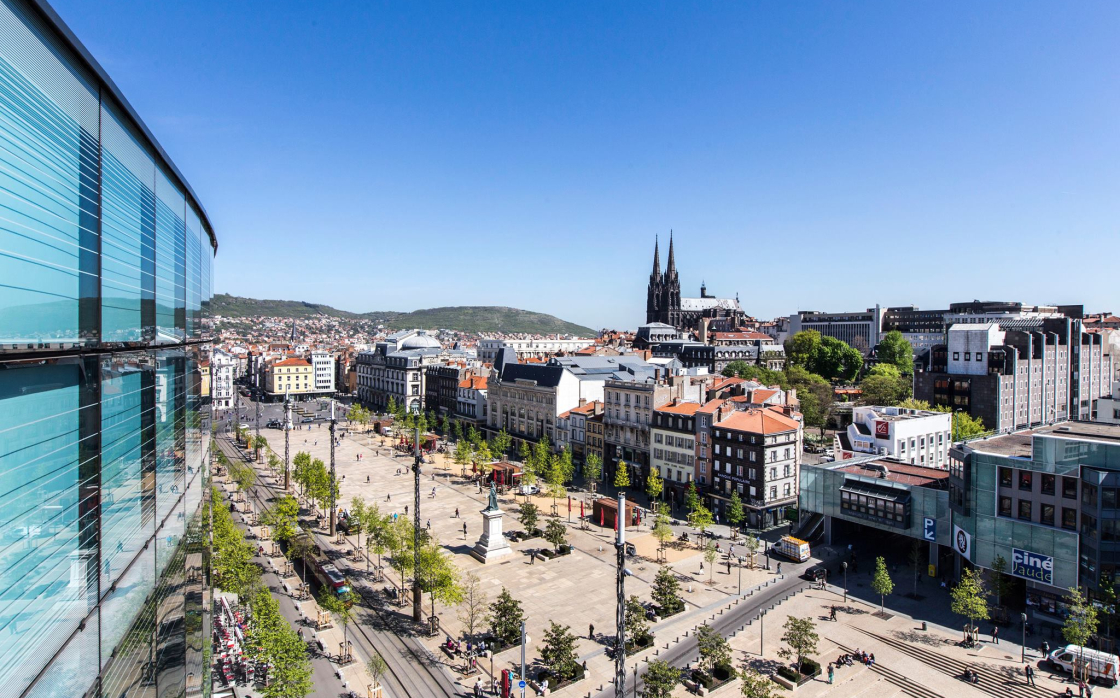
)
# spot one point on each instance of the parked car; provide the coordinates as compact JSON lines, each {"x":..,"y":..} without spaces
{"x":275,"y":424}
{"x":529,"y":489}
{"x":305,"y":420}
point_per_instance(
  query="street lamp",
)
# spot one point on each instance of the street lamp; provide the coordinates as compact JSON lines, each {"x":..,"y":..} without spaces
{"x":1023,"y":647}
{"x":416,"y":615}
{"x":740,"y":574}
{"x":844,"y":566}
{"x":334,"y":479}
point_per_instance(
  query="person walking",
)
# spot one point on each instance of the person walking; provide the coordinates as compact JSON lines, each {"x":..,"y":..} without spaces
{"x":779,"y":568}
{"x":831,"y":672}
{"x":995,"y":635}
{"x":1029,"y":671}
{"x":1080,"y":688}
{"x":532,"y":557}
{"x":456,"y":512}
{"x":591,"y":631}
{"x":464,"y":530}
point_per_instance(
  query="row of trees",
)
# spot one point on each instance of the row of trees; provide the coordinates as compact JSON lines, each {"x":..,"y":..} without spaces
{"x":270,"y":638}
{"x":314,"y":479}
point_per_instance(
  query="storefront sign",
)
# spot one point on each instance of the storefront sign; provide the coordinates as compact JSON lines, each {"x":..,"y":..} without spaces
{"x":1030,"y":565}
{"x":882,"y":429}
{"x":962,"y":542}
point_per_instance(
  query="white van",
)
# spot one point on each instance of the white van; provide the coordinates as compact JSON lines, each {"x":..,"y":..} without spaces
{"x":1103,"y":666}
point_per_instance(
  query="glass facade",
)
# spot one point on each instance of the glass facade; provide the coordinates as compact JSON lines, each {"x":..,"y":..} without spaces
{"x":105,"y":275}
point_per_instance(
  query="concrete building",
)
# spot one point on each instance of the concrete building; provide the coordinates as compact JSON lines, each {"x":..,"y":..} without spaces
{"x":757,"y":453}
{"x":578,"y":428}
{"x":1108,"y":408}
{"x":924,"y":329}
{"x":858,"y":329}
{"x":531,"y":348}
{"x":222,"y":367}
{"x":673,"y":457}
{"x":395,"y":369}
{"x":595,"y":442}
{"x":1048,"y":370}
{"x":292,"y":376}
{"x":918,"y":437}
{"x":471,"y":403}
{"x":323,"y":370}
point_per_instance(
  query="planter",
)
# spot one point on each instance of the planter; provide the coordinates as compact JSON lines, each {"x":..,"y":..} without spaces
{"x":521,"y":536}
{"x":719,"y":677}
{"x":663,"y":612}
{"x":636,"y":645}
{"x":553,"y":554}
{"x":552,"y":685}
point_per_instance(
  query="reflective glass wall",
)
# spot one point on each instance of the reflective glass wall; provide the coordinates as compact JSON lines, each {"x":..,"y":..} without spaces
{"x":105,"y":276}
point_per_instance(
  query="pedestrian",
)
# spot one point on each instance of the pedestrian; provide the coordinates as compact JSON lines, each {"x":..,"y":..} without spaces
{"x":701,"y":567}
{"x":779,"y":568}
{"x":591,"y":631}
{"x":532,"y":557}
{"x":831,"y":671}
{"x":1080,"y":688}
{"x":995,"y":634}
{"x":367,"y":478}
{"x":1029,"y":670}
{"x":456,"y":512}
{"x":406,"y":510}
{"x":464,"y":529}
{"x":429,"y":526}
{"x":729,"y":565}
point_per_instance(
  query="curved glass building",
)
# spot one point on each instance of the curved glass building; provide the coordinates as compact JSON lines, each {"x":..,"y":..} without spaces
{"x":105,"y":276}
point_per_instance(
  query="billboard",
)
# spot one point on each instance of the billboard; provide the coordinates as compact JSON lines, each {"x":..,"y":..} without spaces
{"x":962,"y":542}
{"x":1030,"y":565}
{"x":882,"y":429}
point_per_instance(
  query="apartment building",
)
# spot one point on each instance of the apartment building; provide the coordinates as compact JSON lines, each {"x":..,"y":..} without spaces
{"x":920,"y":437}
{"x":322,"y":367}
{"x":293,"y":376}
{"x":757,"y":453}
{"x":673,"y":455}
{"x":222,"y":367}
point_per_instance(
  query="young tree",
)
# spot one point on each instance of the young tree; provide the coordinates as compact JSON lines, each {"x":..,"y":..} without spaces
{"x":282,"y":517}
{"x":500,"y":444}
{"x":400,"y":543}
{"x":701,"y":520}
{"x":439,"y":577}
{"x":376,"y":668}
{"x":505,"y":619}
{"x":800,"y":638}
{"x":444,"y":426}
{"x":592,"y":470}
{"x":462,"y":455}
{"x":714,"y":649}
{"x":378,"y":532}
{"x":735,"y":513}
{"x":661,"y":529}
{"x":710,"y":555}
{"x":654,"y":486}
{"x":301,"y":463}
{"x":755,"y":685}
{"x":528,"y":516}
{"x":622,"y":475}
{"x":881,"y":582}
{"x":637,"y":625}
{"x":965,"y":426}
{"x":691,"y":498}
{"x":554,"y":532}
{"x":340,"y":606}
{"x":457,"y":431}
{"x":298,"y":548}
{"x":1000,"y":584}
{"x":558,"y":653}
{"x":523,"y":451}
{"x":259,"y":444}
{"x":970,"y":599}
{"x":1080,"y":625}
{"x":660,"y":679}
{"x":666,"y":592}
{"x":472,"y":609}
{"x":751,"y":544}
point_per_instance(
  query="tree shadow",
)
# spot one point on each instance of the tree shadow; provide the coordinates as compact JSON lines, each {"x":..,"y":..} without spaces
{"x":921,"y":638}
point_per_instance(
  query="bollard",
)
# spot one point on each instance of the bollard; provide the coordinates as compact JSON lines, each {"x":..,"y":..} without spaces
{"x":924,"y":626}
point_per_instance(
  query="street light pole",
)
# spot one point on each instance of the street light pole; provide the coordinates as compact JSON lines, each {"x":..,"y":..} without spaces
{"x":620,"y":601}
{"x":844,"y":566}
{"x":761,"y":632}
{"x":740,"y":575}
{"x":258,"y":404}
{"x":416,"y":530}
{"x":334,"y":478}
{"x":1023,"y":647}
{"x":287,"y":430}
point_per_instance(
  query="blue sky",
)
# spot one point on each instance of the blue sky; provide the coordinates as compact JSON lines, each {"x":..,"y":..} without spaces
{"x":828,"y":156}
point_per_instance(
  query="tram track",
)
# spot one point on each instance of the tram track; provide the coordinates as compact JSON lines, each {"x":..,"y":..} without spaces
{"x":412,"y":673}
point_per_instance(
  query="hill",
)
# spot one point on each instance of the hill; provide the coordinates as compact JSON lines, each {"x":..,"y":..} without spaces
{"x":460,"y":318}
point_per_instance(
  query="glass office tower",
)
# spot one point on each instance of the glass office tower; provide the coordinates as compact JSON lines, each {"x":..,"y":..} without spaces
{"x":105,"y":275}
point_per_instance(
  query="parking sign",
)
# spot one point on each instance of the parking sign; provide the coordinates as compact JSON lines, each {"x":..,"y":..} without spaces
{"x":930,"y":531}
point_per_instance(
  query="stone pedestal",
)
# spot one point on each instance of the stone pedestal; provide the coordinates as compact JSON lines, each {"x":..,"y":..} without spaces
{"x":492,"y":544}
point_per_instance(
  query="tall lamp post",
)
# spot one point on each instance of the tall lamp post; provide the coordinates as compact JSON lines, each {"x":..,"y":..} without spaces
{"x":416,"y":525}
{"x":1023,"y":647}
{"x":287,"y":430}
{"x":258,"y":404}
{"x":334,"y":478}
{"x":620,"y":610}
{"x":844,"y":566}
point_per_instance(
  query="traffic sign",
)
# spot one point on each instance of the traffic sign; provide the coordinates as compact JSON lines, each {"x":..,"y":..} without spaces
{"x":521,"y":685}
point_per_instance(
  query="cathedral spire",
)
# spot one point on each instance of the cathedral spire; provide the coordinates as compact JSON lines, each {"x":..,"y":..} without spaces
{"x":656,"y":275}
{"x":671,"y":269}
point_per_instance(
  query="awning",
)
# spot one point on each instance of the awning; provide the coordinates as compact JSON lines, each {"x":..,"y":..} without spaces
{"x":892,"y":494}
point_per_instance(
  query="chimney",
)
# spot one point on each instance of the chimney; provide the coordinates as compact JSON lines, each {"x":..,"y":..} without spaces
{"x":656,"y":375}
{"x":582,"y":402}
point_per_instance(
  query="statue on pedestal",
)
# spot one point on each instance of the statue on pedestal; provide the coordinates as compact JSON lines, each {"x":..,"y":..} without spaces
{"x":492,"y":544}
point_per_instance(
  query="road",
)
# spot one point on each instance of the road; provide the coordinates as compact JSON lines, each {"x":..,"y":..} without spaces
{"x":411,"y":669}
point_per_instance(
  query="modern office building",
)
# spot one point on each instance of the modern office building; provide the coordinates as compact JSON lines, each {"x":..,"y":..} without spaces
{"x":859,"y":329}
{"x":322,"y":363}
{"x":105,"y":273}
{"x":918,"y":437}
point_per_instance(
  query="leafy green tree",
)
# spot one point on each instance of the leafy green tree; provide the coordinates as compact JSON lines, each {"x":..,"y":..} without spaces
{"x":500,"y":444}
{"x":232,"y":556}
{"x":301,"y":464}
{"x":357,"y":517}
{"x":637,"y":625}
{"x":751,"y":544}
{"x":881,"y":582}
{"x":282,"y":517}
{"x":439,"y":577}
{"x":660,"y":679}
{"x":710,"y":555}
{"x":377,"y":528}
{"x":889,"y":370}
{"x":394,"y":409}
{"x":666,"y":592}
{"x":622,"y":475}
{"x":802,"y":348}
{"x":691,"y":498}
{"x":272,"y":640}
{"x":462,"y":454}
{"x":340,"y":606}
{"x":376,"y":668}
{"x":555,"y":533}
{"x":654,"y":485}
{"x":661,"y":529}
{"x":592,"y":470}
{"x":965,"y":426}
{"x":474,"y":437}
{"x":457,"y":430}
{"x":837,"y":361}
{"x":754,"y":684}
{"x":1000,"y":584}
{"x":969,"y":598}
{"x":558,"y":654}
{"x":885,"y":390}
{"x":735,"y":513}
{"x":713,"y":647}
{"x":400,"y":543}
{"x":528,"y":515}
{"x":701,"y":520}
{"x":259,"y":444}
{"x":1080,"y":625}
{"x":801,"y":639}
{"x":523,"y":451}
{"x":896,"y":350}
{"x":754,"y":372}
{"x":506,"y":617}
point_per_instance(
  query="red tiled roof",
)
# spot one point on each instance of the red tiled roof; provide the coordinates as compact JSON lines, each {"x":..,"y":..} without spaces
{"x":762,"y":395}
{"x":688,"y":408}
{"x":727,"y":382}
{"x":759,"y":422}
{"x":586,"y":408}
{"x":292,"y":362}
{"x":711,"y":406}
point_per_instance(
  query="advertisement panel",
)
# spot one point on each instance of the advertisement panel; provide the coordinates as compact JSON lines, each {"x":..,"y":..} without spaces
{"x":882,"y":429}
{"x":962,"y":542}
{"x":1030,"y":565}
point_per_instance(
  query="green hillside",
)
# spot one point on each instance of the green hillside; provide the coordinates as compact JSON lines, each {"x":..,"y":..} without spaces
{"x":460,"y":318}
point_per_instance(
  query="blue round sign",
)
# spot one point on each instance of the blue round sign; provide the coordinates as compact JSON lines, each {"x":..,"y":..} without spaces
{"x":521,"y":684}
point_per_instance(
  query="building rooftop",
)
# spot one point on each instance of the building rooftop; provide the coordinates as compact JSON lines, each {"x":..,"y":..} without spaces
{"x":687,"y":408}
{"x":897,"y":414}
{"x":903,"y":473}
{"x":1018,"y":444}
{"x":759,"y":422}
{"x":292,"y":362}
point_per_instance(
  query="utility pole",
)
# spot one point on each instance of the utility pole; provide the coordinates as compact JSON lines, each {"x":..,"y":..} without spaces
{"x":416,"y":532}
{"x":522,"y":674}
{"x":334,"y":478}
{"x":258,"y":404}
{"x":287,"y":429}
{"x":620,"y":610}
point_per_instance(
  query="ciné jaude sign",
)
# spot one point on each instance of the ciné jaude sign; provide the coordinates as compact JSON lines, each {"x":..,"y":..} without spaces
{"x":1030,"y":565}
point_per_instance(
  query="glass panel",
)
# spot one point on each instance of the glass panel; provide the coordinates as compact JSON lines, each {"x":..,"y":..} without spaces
{"x":45,"y":587}
{"x":170,"y":435}
{"x":128,"y":620}
{"x":170,"y":262}
{"x":75,"y":669}
{"x":48,"y":192}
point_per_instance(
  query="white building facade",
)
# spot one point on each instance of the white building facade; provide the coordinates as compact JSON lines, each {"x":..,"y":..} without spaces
{"x":222,"y":367}
{"x":919,"y":437}
{"x":530,"y":348}
{"x":322,"y":365}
